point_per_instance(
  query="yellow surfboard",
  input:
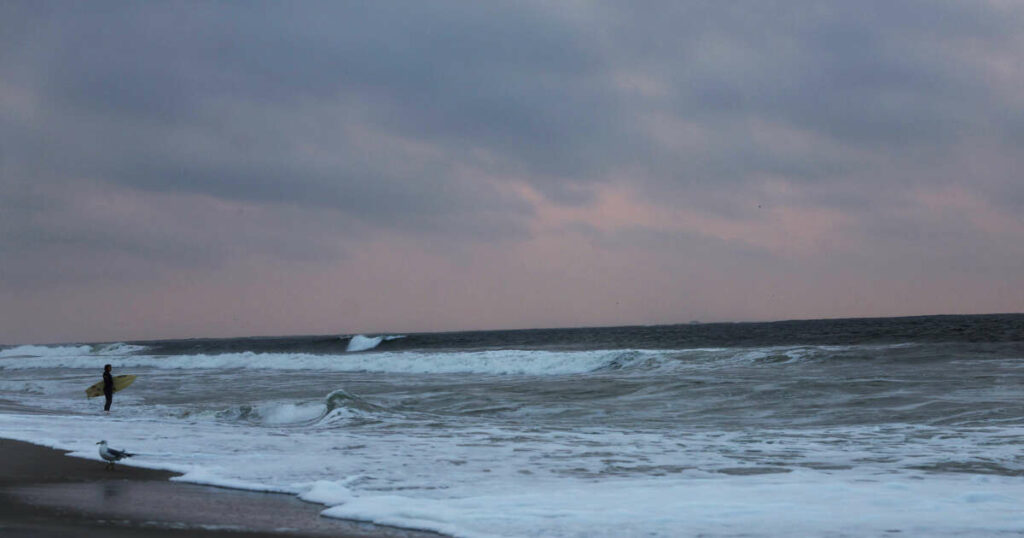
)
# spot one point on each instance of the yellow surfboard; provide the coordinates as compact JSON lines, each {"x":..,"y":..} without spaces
{"x":120,"y":382}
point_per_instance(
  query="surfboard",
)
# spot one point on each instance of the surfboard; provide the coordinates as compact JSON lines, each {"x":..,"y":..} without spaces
{"x":120,"y":382}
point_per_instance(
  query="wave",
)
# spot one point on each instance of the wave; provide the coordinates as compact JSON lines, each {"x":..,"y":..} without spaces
{"x":495,"y":362}
{"x":342,"y":399}
{"x":117,"y":348}
{"x":488,"y":362}
{"x":338,"y":405}
{"x":361,"y":342}
{"x":265,"y":413}
{"x":366,"y":343}
{"x":94,"y":350}
{"x":29,"y":351}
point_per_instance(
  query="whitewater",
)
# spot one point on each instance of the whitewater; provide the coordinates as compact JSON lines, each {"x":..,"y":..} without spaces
{"x":828,"y":427}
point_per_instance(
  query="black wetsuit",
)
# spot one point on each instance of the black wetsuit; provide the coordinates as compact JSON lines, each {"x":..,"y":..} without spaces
{"x":108,"y":389}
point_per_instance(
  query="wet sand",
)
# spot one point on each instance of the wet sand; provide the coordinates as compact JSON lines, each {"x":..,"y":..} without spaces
{"x":44,"y":493}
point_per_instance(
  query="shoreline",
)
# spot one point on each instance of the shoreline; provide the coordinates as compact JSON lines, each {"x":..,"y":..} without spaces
{"x":44,"y":493}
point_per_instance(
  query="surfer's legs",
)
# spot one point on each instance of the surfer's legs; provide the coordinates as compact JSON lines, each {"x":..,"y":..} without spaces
{"x":110,"y":398}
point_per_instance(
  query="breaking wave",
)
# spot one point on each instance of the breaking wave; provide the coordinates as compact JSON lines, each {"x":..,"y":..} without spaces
{"x":495,"y":362}
{"x":366,"y":343}
{"x":338,"y":405}
{"x":95,"y":350}
{"x":489,"y":362}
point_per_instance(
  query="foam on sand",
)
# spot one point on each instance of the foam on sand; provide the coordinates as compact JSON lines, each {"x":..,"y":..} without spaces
{"x":797,"y":504}
{"x":399,"y":480}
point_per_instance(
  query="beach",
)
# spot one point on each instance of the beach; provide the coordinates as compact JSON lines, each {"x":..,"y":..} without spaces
{"x":45,"y":493}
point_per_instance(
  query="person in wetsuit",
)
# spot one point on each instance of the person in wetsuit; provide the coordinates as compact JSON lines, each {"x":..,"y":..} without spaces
{"x":108,"y":387}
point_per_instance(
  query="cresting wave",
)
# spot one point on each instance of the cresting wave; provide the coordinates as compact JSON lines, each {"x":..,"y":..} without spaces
{"x":338,"y":406}
{"x":492,"y":362}
{"x":365,"y":343}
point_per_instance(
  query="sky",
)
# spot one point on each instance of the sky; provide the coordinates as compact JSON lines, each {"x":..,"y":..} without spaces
{"x":178,"y":169}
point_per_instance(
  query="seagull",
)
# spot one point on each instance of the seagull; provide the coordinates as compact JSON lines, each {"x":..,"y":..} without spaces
{"x":112,"y":455}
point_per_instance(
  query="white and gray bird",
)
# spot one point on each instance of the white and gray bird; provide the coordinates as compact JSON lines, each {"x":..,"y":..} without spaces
{"x":111,"y":455}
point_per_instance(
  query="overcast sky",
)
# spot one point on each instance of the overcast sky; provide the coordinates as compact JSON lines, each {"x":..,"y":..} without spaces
{"x":173,"y":169}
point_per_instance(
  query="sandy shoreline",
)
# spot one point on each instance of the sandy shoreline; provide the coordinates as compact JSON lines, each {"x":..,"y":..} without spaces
{"x":44,"y":493}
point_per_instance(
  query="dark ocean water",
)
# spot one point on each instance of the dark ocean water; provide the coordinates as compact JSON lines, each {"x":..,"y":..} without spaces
{"x":979,"y":329}
{"x":936,"y":370}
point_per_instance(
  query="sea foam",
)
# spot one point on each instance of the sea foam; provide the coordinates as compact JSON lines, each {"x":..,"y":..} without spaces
{"x":854,"y":502}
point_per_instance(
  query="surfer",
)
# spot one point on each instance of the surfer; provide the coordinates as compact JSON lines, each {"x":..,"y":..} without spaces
{"x":108,"y":387}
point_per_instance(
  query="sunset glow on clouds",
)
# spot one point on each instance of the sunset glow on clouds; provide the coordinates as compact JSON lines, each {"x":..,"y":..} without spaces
{"x":173,"y":170}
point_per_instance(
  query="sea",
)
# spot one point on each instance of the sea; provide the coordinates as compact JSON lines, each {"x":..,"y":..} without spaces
{"x":853,"y":427}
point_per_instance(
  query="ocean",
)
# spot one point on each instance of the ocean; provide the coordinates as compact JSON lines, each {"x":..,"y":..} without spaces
{"x":858,"y":427}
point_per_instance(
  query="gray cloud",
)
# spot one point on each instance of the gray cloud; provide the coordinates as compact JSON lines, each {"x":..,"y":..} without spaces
{"x":338,"y":121}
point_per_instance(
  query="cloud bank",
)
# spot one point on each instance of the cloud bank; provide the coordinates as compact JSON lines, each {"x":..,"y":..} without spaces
{"x":240,"y":168}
